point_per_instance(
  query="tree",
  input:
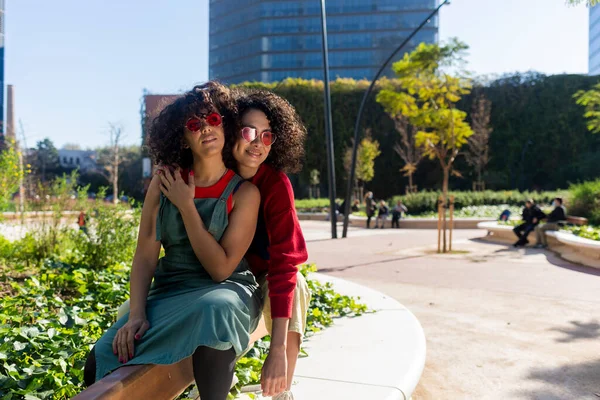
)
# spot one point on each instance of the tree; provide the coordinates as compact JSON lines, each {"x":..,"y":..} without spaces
{"x":590,"y":100}
{"x":407,"y":148}
{"x":110,"y":159}
{"x":368,"y":151}
{"x":477,"y":154}
{"x":315,"y":181}
{"x":45,"y":160}
{"x":431,"y":83}
{"x":11,"y":173}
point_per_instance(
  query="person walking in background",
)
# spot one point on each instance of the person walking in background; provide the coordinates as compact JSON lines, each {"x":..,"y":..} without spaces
{"x":553,"y":221}
{"x":369,"y":207}
{"x":532,"y":215}
{"x":399,"y":208}
{"x":382,"y":214}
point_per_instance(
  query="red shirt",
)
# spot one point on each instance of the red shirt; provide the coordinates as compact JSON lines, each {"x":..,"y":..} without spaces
{"x":278,"y":246}
{"x":215,"y":191}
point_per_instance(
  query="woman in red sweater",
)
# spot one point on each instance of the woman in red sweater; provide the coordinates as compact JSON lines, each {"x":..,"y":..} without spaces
{"x":269,"y":145}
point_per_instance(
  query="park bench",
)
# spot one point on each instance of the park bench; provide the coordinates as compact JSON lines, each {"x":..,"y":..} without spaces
{"x":568,"y":246}
{"x":505,"y":232}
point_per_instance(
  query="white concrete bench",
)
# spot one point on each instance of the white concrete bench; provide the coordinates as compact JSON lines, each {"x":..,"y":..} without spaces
{"x":568,"y":246}
{"x":497,"y":232}
{"x":377,"y":356}
{"x":576,"y":249}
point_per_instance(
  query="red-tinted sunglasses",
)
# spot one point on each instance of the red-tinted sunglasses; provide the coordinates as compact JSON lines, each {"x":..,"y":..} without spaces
{"x":194,"y":124}
{"x":250,"y":134}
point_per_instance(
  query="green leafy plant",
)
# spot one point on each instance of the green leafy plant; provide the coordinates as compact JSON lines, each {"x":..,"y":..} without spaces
{"x":587,"y":232}
{"x":10,"y":175}
{"x":60,"y":289}
{"x":585,"y":200}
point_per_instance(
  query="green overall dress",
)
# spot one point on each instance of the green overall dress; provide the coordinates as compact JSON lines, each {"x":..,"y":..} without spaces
{"x":185,"y":307}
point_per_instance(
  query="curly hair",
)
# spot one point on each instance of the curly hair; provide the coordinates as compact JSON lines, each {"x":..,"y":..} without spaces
{"x":288,"y":150}
{"x":165,"y":137}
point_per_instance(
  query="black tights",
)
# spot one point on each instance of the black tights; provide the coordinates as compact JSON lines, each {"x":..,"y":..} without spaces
{"x":213,"y":371}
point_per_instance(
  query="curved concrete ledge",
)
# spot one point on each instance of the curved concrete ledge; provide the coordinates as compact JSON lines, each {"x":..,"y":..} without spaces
{"x":577,"y":249}
{"x":405,"y":223}
{"x":568,"y":246}
{"x":377,"y":356}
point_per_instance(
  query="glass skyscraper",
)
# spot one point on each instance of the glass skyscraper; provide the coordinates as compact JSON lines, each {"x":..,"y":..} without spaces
{"x":265,"y":40}
{"x":2,"y":128}
{"x":594,"y":40}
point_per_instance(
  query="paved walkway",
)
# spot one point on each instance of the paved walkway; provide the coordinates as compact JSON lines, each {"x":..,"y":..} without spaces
{"x":500,"y":323}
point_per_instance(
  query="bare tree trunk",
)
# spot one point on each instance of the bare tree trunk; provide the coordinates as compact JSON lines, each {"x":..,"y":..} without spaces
{"x":115,"y":136}
{"x":445,"y":200}
{"x":116,"y":176}
{"x":410,"y":182}
{"x":21,"y":183}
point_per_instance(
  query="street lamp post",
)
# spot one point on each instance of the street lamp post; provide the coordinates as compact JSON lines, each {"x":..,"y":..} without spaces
{"x":360,"y":111}
{"x":328,"y":128}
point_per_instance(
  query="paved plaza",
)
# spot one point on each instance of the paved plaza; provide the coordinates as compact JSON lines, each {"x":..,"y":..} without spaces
{"x":500,"y":323}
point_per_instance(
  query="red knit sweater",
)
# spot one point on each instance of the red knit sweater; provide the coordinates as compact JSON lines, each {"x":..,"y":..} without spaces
{"x":278,"y":246}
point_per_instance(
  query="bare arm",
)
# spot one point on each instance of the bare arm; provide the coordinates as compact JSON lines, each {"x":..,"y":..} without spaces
{"x":220,"y":259}
{"x":146,"y":253}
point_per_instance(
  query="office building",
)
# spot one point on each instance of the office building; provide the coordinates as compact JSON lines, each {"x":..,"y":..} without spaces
{"x":2,"y":129}
{"x":265,"y":40}
{"x":594,"y":41}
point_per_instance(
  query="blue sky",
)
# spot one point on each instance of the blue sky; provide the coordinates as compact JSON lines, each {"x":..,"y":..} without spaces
{"x":78,"y":65}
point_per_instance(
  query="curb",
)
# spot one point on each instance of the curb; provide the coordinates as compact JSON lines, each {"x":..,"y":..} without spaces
{"x":375,"y":356}
{"x":405,"y":223}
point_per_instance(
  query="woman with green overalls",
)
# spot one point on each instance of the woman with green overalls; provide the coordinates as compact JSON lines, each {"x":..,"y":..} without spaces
{"x":200,"y":299}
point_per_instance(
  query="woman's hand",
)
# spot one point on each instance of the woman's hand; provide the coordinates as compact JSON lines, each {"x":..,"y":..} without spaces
{"x":175,"y":188}
{"x":123,"y":343}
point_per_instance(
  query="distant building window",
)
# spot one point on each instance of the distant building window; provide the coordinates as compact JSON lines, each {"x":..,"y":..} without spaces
{"x":71,"y":161}
{"x":64,"y":160}
{"x":77,"y":161}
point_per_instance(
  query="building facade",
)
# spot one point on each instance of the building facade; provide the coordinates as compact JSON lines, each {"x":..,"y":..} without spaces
{"x":266,"y":40}
{"x":594,"y":41}
{"x":85,"y":160}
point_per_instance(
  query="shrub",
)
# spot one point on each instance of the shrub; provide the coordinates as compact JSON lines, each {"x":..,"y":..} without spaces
{"x":10,"y":175}
{"x":584,"y":199}
{"x":423,"y":202}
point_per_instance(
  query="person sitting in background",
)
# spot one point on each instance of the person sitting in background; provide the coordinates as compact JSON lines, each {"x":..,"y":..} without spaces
{"x":382,"y":214}
{"x":552,"y":223}
{"x":353,"y":208}
{"x":531,"y":218}
{"x":504,"y":216}
{"x":399,"y":208}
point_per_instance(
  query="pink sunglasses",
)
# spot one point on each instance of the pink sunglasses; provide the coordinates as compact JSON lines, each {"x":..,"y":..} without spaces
{"x":250,"y":134}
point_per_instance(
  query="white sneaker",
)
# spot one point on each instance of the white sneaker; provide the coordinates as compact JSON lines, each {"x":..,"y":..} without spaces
{"x":287,"y":395}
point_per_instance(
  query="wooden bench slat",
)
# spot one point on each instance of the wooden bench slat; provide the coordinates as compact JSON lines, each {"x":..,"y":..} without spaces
{"x":576,"y":220}
{"x":142,"y":382}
